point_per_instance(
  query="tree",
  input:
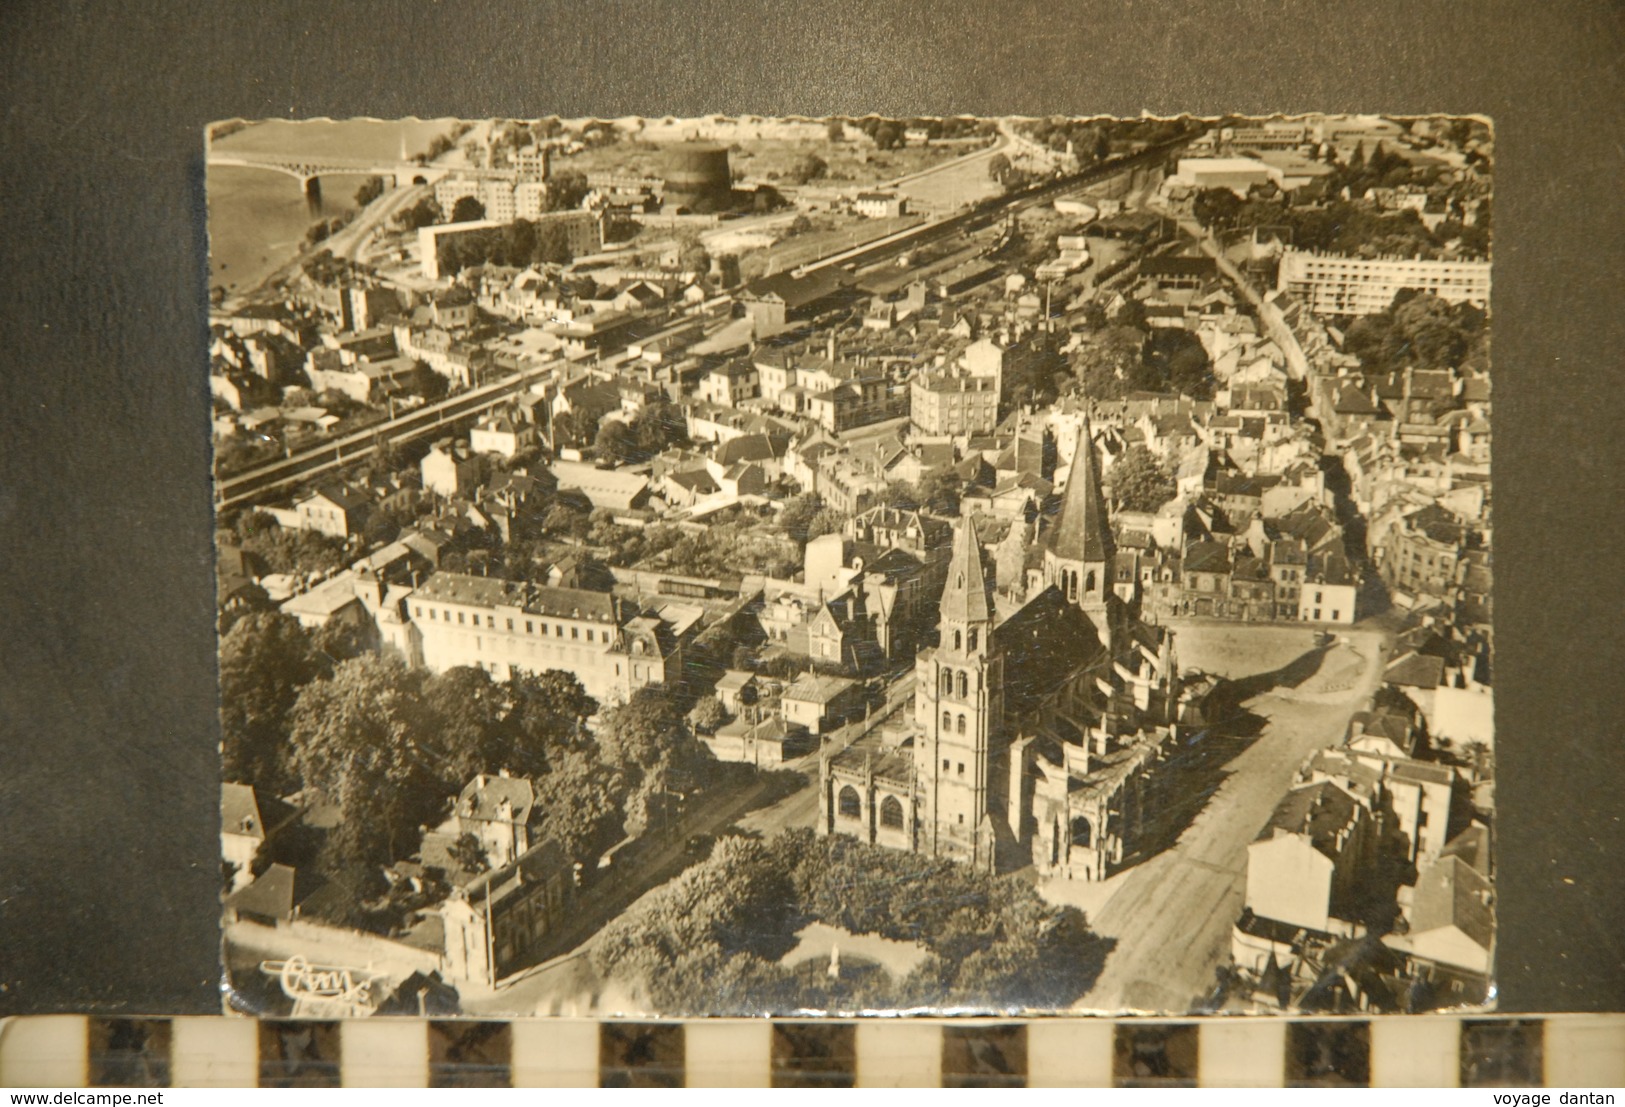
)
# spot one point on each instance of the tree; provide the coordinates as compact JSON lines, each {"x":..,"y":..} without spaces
{"x":828,"y":520}
{"x":265,"y":659}
{"x":547,"y":712}
{"x":561,"y":518}
{"x":694,"y":257}
{"x":370,"y":190}
{"x":566,"y":190}
{"x":798,"y":512}
{"x":424,"y":213}
{"x":341,"y":639}
{"x":1216,"y":208}
{"x":362,"y":736}
{"x":659,"y":426}
{"x":1093,"y":316}
{"x":1139,"y":482}
{"x":835,"y":131}
{"x":1108,"y":366}
{"x":707,"y":714}
{"x":571,"y":428}
{"x":466,"y":210}
{"x":583,"y":801}
{"x":998,"y":168}
{"x":808,"y":167}
{"x":616,"y":442}
{"x":1179,"y":361}
{"x":469,"y":853}
{"x":888,"y":136}
{"x":427,"y":383}
{"x":1131,"y":314}
{"x":652,"y":746}
{"x":799,"y":225}
{"x":466,"y":709}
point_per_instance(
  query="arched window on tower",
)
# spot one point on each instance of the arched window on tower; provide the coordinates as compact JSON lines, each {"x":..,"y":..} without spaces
{"x":973,"y":639}
{"x":958,"y":640}
{"x":1089,"y":583}
{"x":947,"y":721}
{"x":947,"y":682}
{"x":961,"y":726}
{"x":1071,"y":578}
{"x":964,"y":686}
{"x":848,"y":803}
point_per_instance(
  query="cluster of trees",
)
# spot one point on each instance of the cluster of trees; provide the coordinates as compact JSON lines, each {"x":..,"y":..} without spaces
{"x":1126,"y":357}
{"x":625,"y":546}
{"x":323,"y":229}
{"x":887,"y":133}
{"x":808,"y":167}
{"x":425,"y":213}
{"x":284,"y":551}
{"x":711,"y":940}
{"x":1341,"y":226}
{"x":443,"y":143}
{"x":566,"y":189}
{"x":1089,"y":139}
{"x":938,"y":493}
{"x":392,"y":745}
{"x":655,"y":752}
{"x":1035,"y":377}
{"x":370,"y":190}
{"x":1093,"y":139}
{"x":658,"y":427}
{"x":521,"y":243}
{"x":1421,"y":331}
{"x":1000,"y":169}
{"x":725,"y":550}
{"x":805,"y":517}
{"x":1139,"y":482}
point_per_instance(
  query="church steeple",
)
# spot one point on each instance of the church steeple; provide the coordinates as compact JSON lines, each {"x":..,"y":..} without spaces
{"x":1081,"y":550}
{"x":966,"y":598}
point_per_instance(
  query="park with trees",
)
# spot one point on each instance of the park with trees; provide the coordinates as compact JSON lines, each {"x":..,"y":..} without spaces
{"x":390,"y":747}
{"x":715,"y":940}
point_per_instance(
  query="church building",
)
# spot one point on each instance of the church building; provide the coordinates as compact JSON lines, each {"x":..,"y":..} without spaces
{"x":1039,"y":721}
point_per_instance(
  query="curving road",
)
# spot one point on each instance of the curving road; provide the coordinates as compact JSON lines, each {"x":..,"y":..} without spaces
{"x":1171,"y":916}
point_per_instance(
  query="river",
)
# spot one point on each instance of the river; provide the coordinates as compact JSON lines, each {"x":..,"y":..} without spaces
{"x":258,"y":217}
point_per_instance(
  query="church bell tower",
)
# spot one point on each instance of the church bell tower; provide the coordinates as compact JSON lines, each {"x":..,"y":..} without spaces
{"x":959,"y":710}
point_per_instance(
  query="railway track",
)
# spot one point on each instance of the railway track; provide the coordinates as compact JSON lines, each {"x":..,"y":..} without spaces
{"x":238,"y":489}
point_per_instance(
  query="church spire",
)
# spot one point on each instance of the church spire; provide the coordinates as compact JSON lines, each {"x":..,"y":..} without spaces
{"x":966,"y":598}
{"x":1083,"y":532}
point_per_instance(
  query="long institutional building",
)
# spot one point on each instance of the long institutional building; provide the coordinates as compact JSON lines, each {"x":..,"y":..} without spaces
{"x":1332,"y":284}
{"x":505,"y":627}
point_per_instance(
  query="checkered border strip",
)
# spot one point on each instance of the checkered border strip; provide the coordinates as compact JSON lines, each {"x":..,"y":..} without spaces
{"x":1405,"y":1051}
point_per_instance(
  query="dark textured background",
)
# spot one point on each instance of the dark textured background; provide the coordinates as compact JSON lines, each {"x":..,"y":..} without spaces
{"x":108,"y":849}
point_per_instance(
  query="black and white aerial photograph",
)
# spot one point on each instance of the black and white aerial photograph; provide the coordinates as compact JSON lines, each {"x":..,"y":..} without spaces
{"x":744,"y":565}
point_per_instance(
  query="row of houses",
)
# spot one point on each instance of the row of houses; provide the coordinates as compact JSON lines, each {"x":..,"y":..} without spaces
{"x":1370,"y":887}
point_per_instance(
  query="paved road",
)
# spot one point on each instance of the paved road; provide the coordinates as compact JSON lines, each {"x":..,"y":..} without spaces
{"x":1171,"y":916}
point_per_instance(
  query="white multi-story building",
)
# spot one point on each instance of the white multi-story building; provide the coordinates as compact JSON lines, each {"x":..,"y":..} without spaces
{"x":507,"y":627}
{"x":1332,"y":284}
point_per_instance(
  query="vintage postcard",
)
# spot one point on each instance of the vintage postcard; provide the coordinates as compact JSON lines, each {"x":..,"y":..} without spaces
{"x":748,"y":565}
